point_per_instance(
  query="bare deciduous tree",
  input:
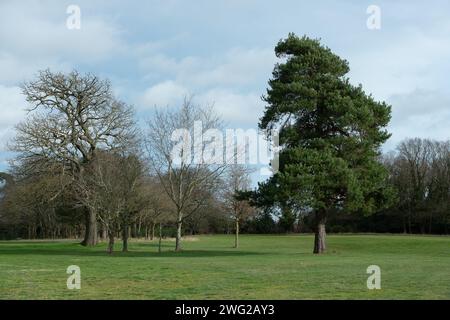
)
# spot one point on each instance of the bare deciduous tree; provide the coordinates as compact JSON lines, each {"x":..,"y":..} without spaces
{"x":183,"y":171}
{"x":111,"y":188}
{"x":72,"y":116}
{"x":238,"y":179}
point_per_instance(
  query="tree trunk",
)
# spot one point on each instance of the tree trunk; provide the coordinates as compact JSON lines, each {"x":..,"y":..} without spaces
{"x":134,"y":230}
{"x":320,"y":234}
{"x":146,"y":232}
{"x":125,"y":234}
{"x":404,"y":225}
{"x":160,"y":237}
{"x":431,"y":222}
{"x":178,"y":239}
{"x":409,"y":224}
{"x":111,"y":243}
{"x":139,"y":228}
{"x":152,"y":235}
{"x":236,"y":237}
{"x":90,"y":235}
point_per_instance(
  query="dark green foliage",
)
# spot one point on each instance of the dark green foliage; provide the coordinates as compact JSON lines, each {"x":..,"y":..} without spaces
{"x":262,"y":224}
{"x":287,"y":220}
{"x":330,"y":132}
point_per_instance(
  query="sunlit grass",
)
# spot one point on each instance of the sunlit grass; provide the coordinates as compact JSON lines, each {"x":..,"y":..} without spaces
{"x":264,"y":267}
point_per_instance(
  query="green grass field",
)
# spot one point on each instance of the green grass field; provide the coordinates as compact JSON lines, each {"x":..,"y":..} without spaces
{"x":265,"y":267}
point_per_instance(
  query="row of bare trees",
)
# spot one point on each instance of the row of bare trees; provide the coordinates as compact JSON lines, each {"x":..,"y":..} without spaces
{"x":83,"y":166}
{"x":420,"y":173}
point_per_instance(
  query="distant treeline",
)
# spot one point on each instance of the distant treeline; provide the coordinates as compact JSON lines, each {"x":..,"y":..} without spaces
{"x":419,"y":173}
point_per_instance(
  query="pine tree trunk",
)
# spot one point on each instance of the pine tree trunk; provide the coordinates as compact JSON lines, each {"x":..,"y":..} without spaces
{"x":320,"y":233}
{"x":90,"y":235}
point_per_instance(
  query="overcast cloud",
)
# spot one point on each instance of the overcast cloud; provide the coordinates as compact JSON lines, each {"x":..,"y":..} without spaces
{"x":222,"y":52}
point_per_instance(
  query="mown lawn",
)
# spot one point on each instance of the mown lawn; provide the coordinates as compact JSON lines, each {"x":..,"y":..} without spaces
{"x":264,"y":267}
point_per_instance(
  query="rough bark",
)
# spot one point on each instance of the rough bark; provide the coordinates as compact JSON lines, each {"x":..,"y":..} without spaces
{"x":90,"y":235}
{"x":111,"y":243}
{"x":320,"y":233}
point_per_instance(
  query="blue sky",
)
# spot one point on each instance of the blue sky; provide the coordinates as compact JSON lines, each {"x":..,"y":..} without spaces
{"x":155,"y":52}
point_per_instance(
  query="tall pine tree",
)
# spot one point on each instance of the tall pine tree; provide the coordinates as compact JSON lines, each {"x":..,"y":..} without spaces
{"x":330,"y":136}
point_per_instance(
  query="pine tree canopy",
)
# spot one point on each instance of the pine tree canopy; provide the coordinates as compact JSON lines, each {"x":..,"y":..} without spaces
{"x":330,"y":132}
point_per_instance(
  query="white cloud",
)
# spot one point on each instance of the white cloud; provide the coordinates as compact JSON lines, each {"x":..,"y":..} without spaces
{"x":238,"y":67}
{"x":420,"y":113}
{"x":12,"y":111}
{"x":28,"y":30}
{"x":232,"y":81}
{"x":16,"y":70}
{"x":235,"y":68}
{"x":161,"y":52}
{"x":167,"y":93}
{"x":235,"y":108}
{"x":414,"y":60}
{"x":34,"y":36}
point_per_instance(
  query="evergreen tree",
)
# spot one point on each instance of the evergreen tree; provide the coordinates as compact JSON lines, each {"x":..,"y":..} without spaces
{"x":330,"y":134}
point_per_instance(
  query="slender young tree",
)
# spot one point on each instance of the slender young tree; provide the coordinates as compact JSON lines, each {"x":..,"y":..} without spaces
{"x":330,"y":133}
{"x":177,"y":154}
{"x":237,"y":181}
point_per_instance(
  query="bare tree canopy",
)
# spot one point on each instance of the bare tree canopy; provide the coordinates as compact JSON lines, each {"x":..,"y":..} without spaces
{"x":112,"y":188}
{"x":420,"y":171}
{"x":71,"y":117}
{"x":183,"y":173}
{"x":237,"y":180}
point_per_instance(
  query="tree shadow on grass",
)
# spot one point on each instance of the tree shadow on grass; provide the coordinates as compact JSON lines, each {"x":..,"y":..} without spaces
{"x":100,"y":251}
